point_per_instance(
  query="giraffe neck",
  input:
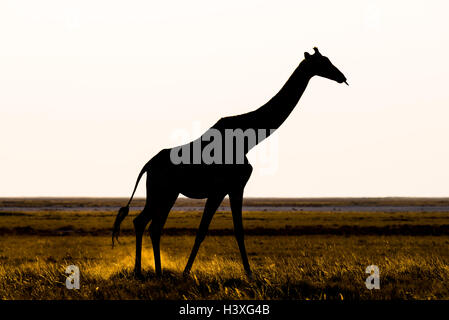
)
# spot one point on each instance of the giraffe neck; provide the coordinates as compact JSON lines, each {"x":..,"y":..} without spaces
{"x":272,"y":114}
{"x":263,"y":121}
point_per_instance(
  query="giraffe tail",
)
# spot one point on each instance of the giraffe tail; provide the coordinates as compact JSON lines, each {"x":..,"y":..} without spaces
{"x":123,"y":211}
{"x":121,"y":215}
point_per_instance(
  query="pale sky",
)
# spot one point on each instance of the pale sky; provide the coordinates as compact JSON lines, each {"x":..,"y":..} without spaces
{"x":91,"y":90}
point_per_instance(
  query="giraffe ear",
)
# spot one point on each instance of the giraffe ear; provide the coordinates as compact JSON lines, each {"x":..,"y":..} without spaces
{"x":306,"y":55}
{"x":316,"y":51}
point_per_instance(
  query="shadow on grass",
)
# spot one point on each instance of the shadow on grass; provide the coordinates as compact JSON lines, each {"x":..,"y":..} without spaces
{"x":146,"y":275}
{"x":174,"y":285}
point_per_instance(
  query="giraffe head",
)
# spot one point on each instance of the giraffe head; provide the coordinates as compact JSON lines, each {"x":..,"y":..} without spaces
{"x":323,"y":67}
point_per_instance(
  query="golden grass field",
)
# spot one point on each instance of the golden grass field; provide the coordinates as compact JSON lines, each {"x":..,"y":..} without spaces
{"x":295,"y":254}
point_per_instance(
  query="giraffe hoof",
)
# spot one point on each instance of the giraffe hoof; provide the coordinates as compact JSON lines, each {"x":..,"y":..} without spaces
{"x":138,"y":275}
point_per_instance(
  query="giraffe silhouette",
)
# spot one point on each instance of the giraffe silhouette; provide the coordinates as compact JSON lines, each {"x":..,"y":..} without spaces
{"x":213,"y":181}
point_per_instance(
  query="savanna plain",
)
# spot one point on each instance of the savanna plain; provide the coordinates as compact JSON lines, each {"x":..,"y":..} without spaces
{"x":307,"y":249}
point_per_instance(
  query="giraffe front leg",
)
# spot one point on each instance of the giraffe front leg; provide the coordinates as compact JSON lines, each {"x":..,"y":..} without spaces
{"x":236,"y":199}
{"x":210,"y":208}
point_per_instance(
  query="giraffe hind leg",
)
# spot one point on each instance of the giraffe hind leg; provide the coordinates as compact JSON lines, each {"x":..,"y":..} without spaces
{"x":158,"y":204}
{"x":140,"y":223}
{"x":162,"y":206}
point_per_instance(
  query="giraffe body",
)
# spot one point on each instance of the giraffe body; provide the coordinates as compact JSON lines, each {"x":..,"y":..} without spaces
{"x":166,"y":180}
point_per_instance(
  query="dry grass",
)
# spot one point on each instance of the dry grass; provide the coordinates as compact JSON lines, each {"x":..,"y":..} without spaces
{"x":264,"y":222}
{"x":300,"y":267}
{"x":294,"y":255}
